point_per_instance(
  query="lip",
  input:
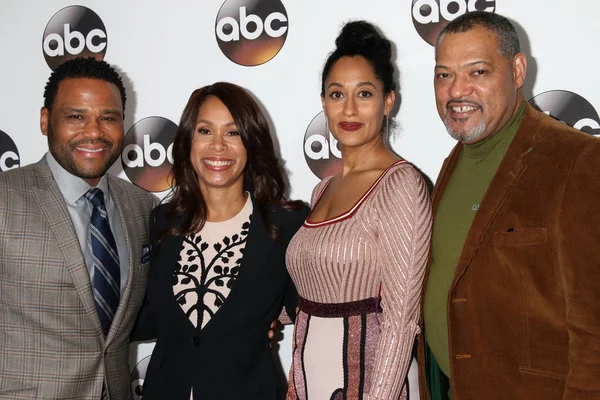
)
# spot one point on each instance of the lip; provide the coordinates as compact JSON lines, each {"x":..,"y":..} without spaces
{"x":217,"y":164}
{"x":350,"y":126}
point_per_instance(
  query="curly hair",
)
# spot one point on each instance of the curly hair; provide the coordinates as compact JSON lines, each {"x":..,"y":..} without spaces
{"x":81,"y":67}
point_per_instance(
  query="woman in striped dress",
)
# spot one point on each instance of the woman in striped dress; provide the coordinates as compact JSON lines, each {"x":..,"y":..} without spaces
{"x":358,"y":261}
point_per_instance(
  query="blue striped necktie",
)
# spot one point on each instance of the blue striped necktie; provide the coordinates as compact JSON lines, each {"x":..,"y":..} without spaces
{"x":107,"y":276}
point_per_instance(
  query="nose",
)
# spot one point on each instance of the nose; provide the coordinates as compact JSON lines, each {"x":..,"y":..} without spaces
{"x":92,"y":128}
{"x":460,"y":87}
{"x":350,"y":106}
{"x":218,"y":142}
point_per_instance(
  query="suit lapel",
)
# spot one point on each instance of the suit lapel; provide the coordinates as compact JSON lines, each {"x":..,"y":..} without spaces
{"x":511,"y":168}
{"x":52,"y":204}
{"x":128,"y":223}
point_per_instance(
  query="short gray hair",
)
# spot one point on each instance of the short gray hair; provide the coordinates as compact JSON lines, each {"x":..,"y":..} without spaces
{"x":501,"y":27}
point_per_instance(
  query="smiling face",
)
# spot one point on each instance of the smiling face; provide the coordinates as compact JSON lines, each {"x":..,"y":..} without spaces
{"x":355,"y":103}
{"x":85,"y":127}
{"x":218,"y":155}
{"x":477,"y":89}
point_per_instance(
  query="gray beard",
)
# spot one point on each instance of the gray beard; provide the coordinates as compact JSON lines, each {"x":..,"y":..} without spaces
{"x":469,"y":136}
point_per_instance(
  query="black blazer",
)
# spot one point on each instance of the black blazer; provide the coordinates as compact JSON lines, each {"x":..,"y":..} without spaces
{"x":230,"y":358}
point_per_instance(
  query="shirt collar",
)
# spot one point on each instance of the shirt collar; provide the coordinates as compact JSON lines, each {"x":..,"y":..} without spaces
{"x":72,"y":187}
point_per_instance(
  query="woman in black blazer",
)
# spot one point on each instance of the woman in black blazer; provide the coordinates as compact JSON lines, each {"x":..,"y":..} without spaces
{"x":218,"y":275}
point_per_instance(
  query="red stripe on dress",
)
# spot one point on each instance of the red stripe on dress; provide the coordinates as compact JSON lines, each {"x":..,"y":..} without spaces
{"x":355,"y":207}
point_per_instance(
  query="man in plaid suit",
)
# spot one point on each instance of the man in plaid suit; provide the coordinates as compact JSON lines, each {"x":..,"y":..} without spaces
{"x":53,"y":344}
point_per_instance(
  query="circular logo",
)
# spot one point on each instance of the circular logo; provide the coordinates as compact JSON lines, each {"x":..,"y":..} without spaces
{"x":137,"y":378}
{"x":9,"y":154}
{"x":321,"y":150}
{"x":74,"y":31}
{"x":251,"y":32}
{"x":431,"y":16}
{"x":570,"y":108}
{"x":148,"y":153}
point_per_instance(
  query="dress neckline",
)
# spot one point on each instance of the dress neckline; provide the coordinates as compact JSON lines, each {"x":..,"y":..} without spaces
{"x":347,"y":214}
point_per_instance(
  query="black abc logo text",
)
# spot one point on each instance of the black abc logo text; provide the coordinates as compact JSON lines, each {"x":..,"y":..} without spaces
{"x":148,"y":153}
{"x":431,"y":16}
{"x":251,"y":32}
{"x":74,"y":31}
{"x":570,"y":108}
{"x":9,"y":154}
{"x":321,"y":150}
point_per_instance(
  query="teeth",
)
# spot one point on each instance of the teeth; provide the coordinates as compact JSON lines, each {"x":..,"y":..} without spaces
{"x":463,"y":108}
{"x":213,"y":163}
{"x":90,"y":150}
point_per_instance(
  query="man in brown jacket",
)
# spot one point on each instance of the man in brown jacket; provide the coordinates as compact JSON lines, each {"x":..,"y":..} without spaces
{"x":512,"y":298}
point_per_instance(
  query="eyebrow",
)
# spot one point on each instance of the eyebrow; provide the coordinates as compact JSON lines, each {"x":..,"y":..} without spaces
{"x":359,"y":84}
{"x":471,"y":64}
{"x":207,"y":122}
{"x":111,"y":111}
{"x":68,"y":110}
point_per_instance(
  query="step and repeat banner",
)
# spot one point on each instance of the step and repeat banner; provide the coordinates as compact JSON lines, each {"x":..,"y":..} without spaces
{"x":276,"y":49}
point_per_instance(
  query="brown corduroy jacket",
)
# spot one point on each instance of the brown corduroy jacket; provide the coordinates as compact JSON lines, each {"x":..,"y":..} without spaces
{"x":524,"y":305}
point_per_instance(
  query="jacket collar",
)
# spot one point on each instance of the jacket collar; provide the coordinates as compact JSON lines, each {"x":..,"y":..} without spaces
{"x":511,"y":168}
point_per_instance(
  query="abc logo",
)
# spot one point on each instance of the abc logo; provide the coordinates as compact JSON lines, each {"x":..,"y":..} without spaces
{"x":321,"y":150}
{"x":431,"y":16}
{"x":9,"y":155}
{"x":148,"y":153}
{"x":74,"y":31}
{"x":251,"y":32}
{"x":137,"y":378}
{"x":570,"y":108}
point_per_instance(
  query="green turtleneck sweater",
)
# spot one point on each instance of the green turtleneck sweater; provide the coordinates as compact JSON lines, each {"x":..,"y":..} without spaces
{"x":473,"y":173}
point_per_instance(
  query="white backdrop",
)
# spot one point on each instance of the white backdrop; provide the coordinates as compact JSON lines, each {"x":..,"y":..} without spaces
{"x":165,"y":50}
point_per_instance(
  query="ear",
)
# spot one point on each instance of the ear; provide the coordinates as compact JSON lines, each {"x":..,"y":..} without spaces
{"x":519,"y":66}
{"x":323,"y":102}
{"x":44,"y":120}
{"x":390,"y":99}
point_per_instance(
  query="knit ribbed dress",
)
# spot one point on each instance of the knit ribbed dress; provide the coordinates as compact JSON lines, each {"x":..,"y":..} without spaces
{"x":359,"y":277}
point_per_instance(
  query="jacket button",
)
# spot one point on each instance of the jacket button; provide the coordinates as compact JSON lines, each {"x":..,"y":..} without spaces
{"x":196,"y":341}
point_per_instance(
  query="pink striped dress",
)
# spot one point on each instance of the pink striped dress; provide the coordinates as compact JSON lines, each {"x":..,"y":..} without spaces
{"x":359,"y":277}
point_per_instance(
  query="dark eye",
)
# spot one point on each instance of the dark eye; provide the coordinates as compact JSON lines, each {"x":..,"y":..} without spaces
{"x":335,"y":95}
{"x":233,"y":133}
{"x":364,"y":93}
{"x":203,"y":131}
{"x":75,"y":116}
{"x":479,"y":72}
{"x":442,"y":75}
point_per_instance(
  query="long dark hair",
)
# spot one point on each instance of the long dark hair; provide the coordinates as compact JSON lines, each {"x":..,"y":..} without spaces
{"x":263,"y":175}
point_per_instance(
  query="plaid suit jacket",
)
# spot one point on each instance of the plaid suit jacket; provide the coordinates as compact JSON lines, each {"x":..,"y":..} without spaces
{"x":51,"y":341}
